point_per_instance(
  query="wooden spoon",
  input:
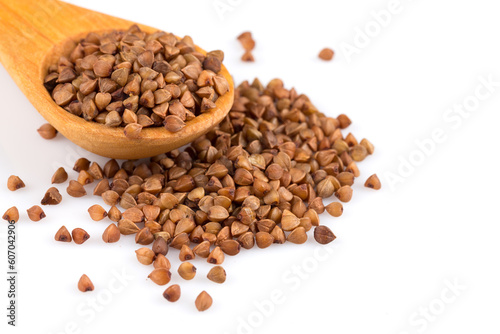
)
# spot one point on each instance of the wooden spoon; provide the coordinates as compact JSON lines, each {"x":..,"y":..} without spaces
{"x":35,"y":33}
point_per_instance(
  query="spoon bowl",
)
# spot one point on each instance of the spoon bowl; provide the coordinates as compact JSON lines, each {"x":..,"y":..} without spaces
{"x":34,"y":34}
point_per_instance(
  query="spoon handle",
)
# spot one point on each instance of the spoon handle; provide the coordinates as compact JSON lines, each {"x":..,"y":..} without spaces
{"x":35,"y":33}
{"x":29,"y":29}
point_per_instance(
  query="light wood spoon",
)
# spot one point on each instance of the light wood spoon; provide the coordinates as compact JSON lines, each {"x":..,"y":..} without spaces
{"x":35,"y":33}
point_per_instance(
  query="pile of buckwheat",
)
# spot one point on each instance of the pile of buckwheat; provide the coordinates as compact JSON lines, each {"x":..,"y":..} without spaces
{"x":259,"y":178}
{"x":136,"y":80}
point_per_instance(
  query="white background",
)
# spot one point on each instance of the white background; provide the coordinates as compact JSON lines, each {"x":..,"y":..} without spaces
{"x":397,"y":250}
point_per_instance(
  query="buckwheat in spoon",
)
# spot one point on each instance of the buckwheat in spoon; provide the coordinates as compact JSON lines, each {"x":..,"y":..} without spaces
{"x":116,"y":88}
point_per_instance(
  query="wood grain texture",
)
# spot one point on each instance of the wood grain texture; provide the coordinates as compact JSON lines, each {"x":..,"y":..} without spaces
{"x":35,"y":33}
